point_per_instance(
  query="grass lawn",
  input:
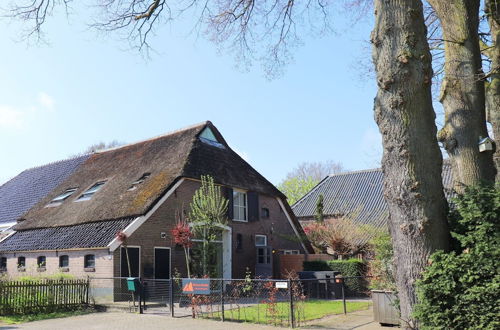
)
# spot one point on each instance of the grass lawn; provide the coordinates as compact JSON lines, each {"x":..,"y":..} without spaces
{"x":15,"y":319}
{"x":306,"y":311}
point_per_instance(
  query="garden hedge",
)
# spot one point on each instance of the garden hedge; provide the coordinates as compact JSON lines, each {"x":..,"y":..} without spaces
{"x":348,"y":268}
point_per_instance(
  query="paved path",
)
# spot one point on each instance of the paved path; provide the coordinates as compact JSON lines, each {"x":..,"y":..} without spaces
{"x":362,"y":320}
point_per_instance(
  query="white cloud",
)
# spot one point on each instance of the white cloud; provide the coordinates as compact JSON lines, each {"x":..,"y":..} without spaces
{"x":11,"y":117}
{"x":46,"y":101}
{"x":18,"y":117}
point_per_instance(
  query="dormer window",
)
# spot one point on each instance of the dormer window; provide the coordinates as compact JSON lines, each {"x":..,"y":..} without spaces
{"x":143,"y":178}
{"x":62,"y":197}
{"x":207,"y":136}
{"x":91,"y":191}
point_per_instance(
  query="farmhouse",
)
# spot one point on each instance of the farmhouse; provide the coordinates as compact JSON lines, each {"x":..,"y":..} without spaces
{"x":140,"y":189}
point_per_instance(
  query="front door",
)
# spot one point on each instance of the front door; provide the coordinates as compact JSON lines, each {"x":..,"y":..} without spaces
{"x":162,"y":263}
{"x":264,"y":265}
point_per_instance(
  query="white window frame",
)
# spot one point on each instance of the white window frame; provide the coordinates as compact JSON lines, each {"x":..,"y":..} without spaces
{"x":238,"y":191}
{"x":291,"y":252}
{"x":265,"y":240}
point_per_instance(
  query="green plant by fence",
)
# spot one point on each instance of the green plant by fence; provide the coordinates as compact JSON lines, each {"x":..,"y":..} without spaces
{"x":42,"y":296}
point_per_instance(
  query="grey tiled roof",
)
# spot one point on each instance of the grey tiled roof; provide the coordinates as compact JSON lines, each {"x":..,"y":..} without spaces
{"x":22,"y":192}
{"x":87,"y":235}
{"x":356,"y":194}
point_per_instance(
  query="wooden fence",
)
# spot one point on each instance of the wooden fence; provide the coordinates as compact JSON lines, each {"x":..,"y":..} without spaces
{"x":41,"y":296}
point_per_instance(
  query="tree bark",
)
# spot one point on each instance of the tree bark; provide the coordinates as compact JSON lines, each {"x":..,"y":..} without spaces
{"x":412,"y":160}
{"x":463,"y":93}
{"x":492,"y":10}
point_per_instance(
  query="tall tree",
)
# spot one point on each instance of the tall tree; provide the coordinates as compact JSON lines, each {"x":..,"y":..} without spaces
{"x":492,"y":11}
{"x":463,"y":92}
{"x":305,"y":176}
{"x":412,"y":160}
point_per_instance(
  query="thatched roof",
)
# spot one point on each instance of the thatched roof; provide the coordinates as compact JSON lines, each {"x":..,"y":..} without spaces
{"x":167,"y":158}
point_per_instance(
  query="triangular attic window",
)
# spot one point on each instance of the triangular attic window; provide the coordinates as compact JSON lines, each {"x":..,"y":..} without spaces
{"x":208,"y":134}
{"x":208,"y":137}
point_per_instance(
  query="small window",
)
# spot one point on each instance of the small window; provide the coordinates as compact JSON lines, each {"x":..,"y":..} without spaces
{"x":91,"y":191}
{"x":143,"y":178}
{"x":260,"y":240}
{"x":264,"y":213}
{"x":240,"y":210}
{"x":21,"y":262}
{"x":41,"y":261}
{"x":63,"y":261}
{"x":89,"y":261}
{"x":291,"y":252}
{"x":239,"y":242}
{"x":3,"y":264}
{"x":208,"y":134}
{"x":62,"y":197}
{"x":208,"y":137}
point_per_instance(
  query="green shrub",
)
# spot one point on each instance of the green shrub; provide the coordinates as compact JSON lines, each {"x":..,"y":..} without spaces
{"x":381,"y":265}
{"x":461,"y":289}
{"x":348,"y":268}
{"x":316,"y":266}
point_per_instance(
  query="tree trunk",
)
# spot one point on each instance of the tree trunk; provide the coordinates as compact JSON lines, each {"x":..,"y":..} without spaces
{"x":463,"y":93}
{"x":412,"y":160}
{"x":492,"y":10}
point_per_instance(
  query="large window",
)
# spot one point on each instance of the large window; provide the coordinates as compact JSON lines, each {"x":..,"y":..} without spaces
{"x":89,"y":261}
{"x":91,"y":191}
{"x":240,"y":209}
{"x":3,"y":264}
{"x":63,"y":261}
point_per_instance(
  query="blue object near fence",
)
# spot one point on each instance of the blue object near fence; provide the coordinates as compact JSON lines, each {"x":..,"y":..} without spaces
{"x":195,"y":286}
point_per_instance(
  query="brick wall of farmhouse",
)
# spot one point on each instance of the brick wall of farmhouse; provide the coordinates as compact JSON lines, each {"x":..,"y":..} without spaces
{"x":103,"y":263}
{"x":277,"y":228}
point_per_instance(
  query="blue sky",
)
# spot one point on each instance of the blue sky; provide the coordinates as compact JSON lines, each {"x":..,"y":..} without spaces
{"x":56,"y":99}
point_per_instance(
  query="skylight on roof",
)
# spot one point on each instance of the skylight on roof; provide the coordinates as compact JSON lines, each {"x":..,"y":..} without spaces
{"x":208,"y":137}
{"x":91,"y":191}
{"x":62,"y":197}
{"x":139,"y":181}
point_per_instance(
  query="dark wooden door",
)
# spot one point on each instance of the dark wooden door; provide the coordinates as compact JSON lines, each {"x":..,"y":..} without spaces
{"x":264,"y":265}
{"x":162,"y":263}
{"x":134,"y":257}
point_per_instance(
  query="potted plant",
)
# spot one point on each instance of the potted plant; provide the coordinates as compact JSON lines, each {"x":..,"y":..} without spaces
{"x":382,"y":284}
